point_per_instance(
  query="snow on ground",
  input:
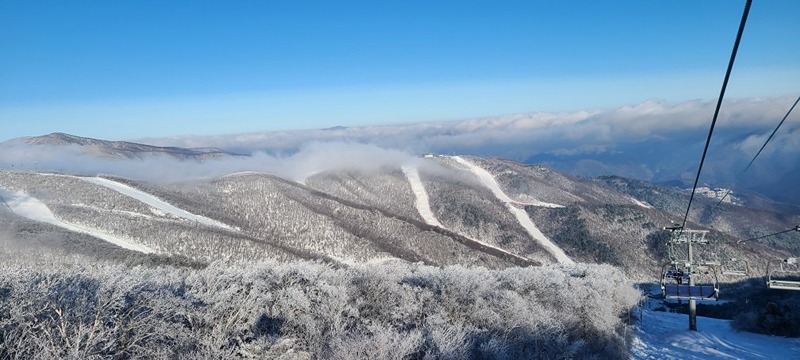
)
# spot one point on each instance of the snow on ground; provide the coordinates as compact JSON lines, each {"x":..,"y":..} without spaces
{"x":155,"y":202}
{"x":114,"y":211}
{"x":641,"y":203}
{"x":662,"y":335}
{"x":520,"y":214}
{"x":424,"y":208}
{"x":242,"y":173}
{"x":422,"y":201}
{"x":31,"y":208}
{"x":492,"y":184}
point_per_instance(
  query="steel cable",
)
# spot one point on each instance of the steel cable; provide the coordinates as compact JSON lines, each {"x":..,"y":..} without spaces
{"x":719,"y":104}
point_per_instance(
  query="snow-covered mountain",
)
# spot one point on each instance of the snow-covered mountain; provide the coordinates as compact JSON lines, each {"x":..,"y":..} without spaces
{"x":424,"y":223}
{"x":114,"y":149}
{"x":439,"y":210}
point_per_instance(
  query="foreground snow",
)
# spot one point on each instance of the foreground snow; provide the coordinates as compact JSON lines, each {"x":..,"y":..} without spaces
{"x":33,"y":209}
{"x":520,"y":214}
{"x":154,"y":201}
{"x":662,"y":335}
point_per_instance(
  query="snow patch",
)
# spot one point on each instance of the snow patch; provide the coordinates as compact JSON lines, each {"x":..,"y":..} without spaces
{"x":154,"y":202}
{"x":534,"y":202}
{"x":113,"y":211}
{"x":490,"y":182}
{"x":33,"y":209}
{"x":157,"y":212}
{"x":641,"y":203}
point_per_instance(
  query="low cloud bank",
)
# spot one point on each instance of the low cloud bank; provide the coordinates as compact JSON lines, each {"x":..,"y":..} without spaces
{"x":654,"y":140}
{"x":310,"y":159}
{"x":538,"y":132}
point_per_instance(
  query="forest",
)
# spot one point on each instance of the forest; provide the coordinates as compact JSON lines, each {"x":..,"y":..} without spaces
{"x":159,"y":307}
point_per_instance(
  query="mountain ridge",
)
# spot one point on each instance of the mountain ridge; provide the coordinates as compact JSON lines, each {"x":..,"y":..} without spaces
{"x":122,"y":149}
{"x":364,"y":214}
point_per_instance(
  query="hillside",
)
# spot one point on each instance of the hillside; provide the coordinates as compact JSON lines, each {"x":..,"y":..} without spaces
{"x":448,"y":231}
{"x":114,"y":149}
{"x":523,"y":215}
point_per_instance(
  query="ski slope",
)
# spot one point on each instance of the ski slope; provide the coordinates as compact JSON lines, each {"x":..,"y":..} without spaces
{"x":492,"y":184}
{"x":154,"y":202}
{"x":641,"y":203}
{"x":424,"y":208}
{"x":422,"y":202}
{"x":33,"y":209}
{"x":489,"y":181}
{"x":662,"y":335}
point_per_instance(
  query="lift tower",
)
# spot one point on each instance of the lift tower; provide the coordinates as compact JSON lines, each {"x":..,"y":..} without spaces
{"x":685,"y":237}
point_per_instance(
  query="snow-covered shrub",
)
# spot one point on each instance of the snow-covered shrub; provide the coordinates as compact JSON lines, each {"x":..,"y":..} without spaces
{"x":311,"y":310}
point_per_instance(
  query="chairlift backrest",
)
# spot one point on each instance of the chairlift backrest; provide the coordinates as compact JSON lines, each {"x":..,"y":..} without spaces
{"x":736,"y":267}
{"x":774,"y":282}
{"x":694,"y":292}
{"x":675,"y":284}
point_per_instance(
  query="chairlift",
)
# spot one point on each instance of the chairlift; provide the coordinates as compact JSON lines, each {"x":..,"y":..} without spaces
{"x":784,"y":281}
{"x":736,"y":267}
{"x":675,"y":283}
{"x":679,"y":241}
{"x":726,"y":259}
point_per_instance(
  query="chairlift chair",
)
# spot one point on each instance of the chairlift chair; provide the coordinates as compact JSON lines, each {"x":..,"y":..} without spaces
{"x":675,"y":284}
{"x":736,"y":267}
{"x":789,"y":265}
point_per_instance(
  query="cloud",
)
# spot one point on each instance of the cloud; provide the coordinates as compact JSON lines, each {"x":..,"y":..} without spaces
{"x":653,"y":140}
{"x":786,"y":140}
{"x":541,"y":130}
{"x":583,"y":149}
{"x":320,"y":157}
{"x":310,"y":159}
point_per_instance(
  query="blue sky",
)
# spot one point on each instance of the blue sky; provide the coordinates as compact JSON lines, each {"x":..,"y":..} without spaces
{"x":133,"y":69}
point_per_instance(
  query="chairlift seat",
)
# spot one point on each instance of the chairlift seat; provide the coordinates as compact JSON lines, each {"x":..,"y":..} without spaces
{"x":786,"y":283}
{"x":693,"y":292}
{"x":783,"y":285}
{"x":736,"y":267}
{"x":735,"y":272}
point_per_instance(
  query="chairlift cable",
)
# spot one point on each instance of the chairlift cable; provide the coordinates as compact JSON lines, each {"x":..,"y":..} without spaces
{"x":756,"y":156}
{"x":796,"y":228}
{"x":719,"y":104}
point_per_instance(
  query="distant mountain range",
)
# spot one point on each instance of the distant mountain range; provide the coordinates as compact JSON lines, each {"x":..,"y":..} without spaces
{"x":119,"y":149}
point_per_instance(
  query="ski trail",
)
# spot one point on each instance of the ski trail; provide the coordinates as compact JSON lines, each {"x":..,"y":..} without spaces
{"x":489,"y":181}
{"x":421,"y":196}
{"x":424,"y":209}
{"x":154,"y":201}
{"x":641,"y":203}
{"x":33,"y":209}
